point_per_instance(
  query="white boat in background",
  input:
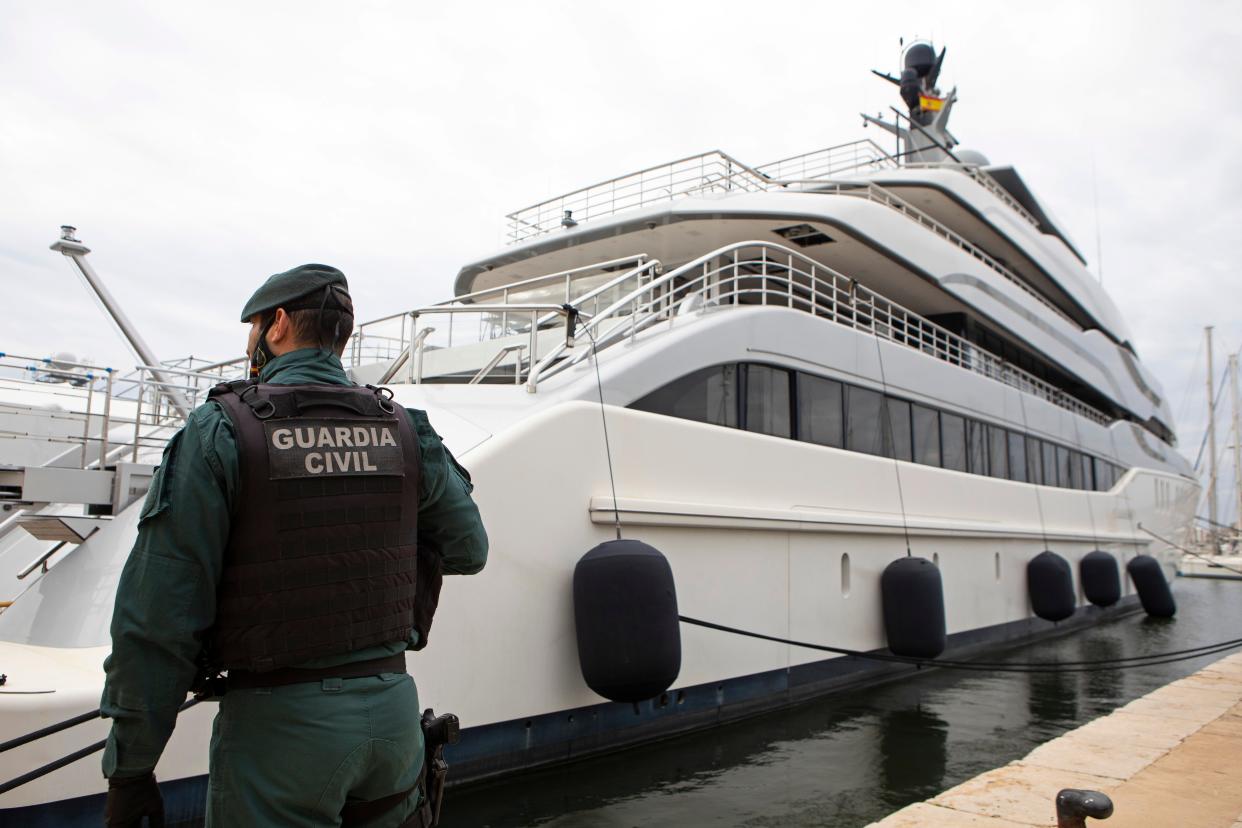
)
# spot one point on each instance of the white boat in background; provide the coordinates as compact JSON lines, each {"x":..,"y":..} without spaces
{"x":806,"y":371}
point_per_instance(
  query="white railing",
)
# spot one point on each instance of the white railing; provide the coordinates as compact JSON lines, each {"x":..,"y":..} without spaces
{"x":763,"y":273}
{"x":509,"y":322}
{"x":103,"y":416}
{"x":880,"y":195}
{"x":709,"y":172}
{"x":829,"y":162}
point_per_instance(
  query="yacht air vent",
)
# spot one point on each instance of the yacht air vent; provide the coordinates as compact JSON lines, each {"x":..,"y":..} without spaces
{"x":803,"y":235}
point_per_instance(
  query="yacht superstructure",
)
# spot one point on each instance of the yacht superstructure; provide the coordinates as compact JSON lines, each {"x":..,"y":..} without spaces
{"x":783,"y":377}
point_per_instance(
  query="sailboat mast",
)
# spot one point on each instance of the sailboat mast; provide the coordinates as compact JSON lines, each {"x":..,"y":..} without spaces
{"x":1211,"y":398}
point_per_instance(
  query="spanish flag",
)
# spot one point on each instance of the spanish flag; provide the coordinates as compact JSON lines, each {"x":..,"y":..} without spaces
{"x":930,"y":103}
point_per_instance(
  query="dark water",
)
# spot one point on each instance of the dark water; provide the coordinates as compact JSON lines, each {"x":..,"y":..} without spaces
{"x":851,"y":758}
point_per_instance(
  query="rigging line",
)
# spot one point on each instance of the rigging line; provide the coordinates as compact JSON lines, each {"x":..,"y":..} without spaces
{"x":603,"y":416}
{"x":995,"y":667}
{"x":1125,"y":492}
{"x":1039,"y":458}
{"x":1143,"y":528}
{"x":1190,"y":379}
{"x":44,"y":770}
{"x":1095,"y":535}
{"x":886,"y":422}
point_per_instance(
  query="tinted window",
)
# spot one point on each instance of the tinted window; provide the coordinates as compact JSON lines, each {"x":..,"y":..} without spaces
{"x":1088,"y":478}
{"x":976,"y":448}
{"x":767,"y":400}
{"x":953,"y":441}
{"x":1065,"y":475}
{"x":862,"y":424}
{"x":926,"y":424}
{"x":998,"y":452}
{"x":897,"y":440}
{"x":706,"y":396}
{"x":1017,"y":457}
{"x":1034,"y":465}
{"x":820,"y":415}
{"x":1050,"y":463}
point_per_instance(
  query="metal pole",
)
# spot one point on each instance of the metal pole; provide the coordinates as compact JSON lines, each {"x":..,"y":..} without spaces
{"x":1211,"y":397}
{"x":74,"y":249}
{"x":86,"y":428}
{"x":107,"y":422}
{"x":1237,"y":443}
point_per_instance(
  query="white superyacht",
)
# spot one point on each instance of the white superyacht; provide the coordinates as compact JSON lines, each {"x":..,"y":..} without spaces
{"x":784,"y":378}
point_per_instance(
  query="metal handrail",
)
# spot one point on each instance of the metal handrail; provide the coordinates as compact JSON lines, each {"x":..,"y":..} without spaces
{"x":775,"y":274}
{"x":862,"y":153}
{"x":984,"y":179}
{"x":880,"y":195}
{"x":705,"y":172}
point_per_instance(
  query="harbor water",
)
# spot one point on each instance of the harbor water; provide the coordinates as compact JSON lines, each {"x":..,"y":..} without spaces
{"x":851,"y":758}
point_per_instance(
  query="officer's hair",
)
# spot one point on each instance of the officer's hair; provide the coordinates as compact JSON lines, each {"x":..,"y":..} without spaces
{"x":331,"y":333}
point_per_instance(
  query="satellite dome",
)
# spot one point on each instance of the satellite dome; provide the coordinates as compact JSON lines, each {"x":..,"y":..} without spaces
{"x":920,"y":57}
{"x":972,"y":157}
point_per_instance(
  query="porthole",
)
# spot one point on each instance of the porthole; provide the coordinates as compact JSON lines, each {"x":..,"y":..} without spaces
{"x":845,"y":574}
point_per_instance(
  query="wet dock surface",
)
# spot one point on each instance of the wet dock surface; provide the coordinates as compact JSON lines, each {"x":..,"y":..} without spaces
{"x":856,"y":757}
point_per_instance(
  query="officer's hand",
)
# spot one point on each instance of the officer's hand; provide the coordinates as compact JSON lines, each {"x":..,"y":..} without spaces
{"x":132,"y":798}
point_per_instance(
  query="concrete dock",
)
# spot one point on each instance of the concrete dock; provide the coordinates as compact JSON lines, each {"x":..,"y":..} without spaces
{"x":1170,"y":758}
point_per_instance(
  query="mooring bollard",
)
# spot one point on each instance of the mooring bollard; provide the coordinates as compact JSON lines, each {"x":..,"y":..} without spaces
{"x":1074,"y":806}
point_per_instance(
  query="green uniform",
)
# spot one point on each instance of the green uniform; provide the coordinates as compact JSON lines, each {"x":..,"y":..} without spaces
{"x":282,"y":755}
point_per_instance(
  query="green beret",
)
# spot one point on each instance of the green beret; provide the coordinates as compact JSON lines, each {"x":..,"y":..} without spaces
{"x":304,"y":282}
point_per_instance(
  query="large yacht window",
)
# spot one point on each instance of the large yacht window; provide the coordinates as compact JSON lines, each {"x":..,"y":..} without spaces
{"x":976,"y":448}
{"x":862,"y":422}
{"x":953,"y":441}
{"x":1017,"y":457}
{"x":998,"y":452}
{"x":1064,"y":467}
{"x":706,"y":396}
{"x":821,"y":417}
{"x":1034,"y":464}
{"x":926,"y":423}
{"x":1050,"y":464}
{"x":897,"y":440}
{"x":767,"y":400}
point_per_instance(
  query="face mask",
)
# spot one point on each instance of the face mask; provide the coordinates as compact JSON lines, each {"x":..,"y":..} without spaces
{"x":261,"y":354}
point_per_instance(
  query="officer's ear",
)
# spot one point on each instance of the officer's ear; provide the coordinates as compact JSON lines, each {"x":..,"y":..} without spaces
{"x":280,"y":334}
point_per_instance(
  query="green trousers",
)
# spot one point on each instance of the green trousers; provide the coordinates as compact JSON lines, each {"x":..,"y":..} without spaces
{"x":292,"y":756}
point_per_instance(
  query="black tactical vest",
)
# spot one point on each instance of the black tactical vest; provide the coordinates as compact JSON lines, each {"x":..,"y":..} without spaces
{"x":322,"y":551}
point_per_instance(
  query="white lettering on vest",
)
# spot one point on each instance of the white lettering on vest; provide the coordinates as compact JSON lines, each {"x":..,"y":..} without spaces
{"x":282,"y":438}
{"x":367,"y":465}
{"x":344,"y":437}
{"x":314,"y":463}
{"x":305,"y":437}
{"x":386,"y":438}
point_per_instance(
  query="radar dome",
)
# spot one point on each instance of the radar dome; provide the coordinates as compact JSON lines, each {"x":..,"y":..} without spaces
{"x":920,"y":57}
{"x":972,"y":157}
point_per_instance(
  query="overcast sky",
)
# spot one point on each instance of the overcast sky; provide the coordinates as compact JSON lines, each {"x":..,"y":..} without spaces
{"x":201,"y":147}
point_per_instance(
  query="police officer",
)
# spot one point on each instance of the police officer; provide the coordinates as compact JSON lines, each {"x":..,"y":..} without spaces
{"x":277,"y":542}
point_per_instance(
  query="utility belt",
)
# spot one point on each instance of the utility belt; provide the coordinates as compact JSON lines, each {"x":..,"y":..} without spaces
{"x":246,"y":680}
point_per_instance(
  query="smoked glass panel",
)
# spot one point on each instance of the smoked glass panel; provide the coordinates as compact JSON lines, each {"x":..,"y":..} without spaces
{"x":897,"y":440}
{"x":862,"y":423}
{"x":953,"y":441}
{"x":1065,"y":474}
{"x":1050,"y":464}
{"x":767,"y":400}
{"x":976,"y":448}
{"x":926,"y":426}
{"x":1017,"y":457}
{"x":705,"y":396}
{"x":1034,"y":463}
{"x":821,"y":417}
{"x":998,"y":452}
